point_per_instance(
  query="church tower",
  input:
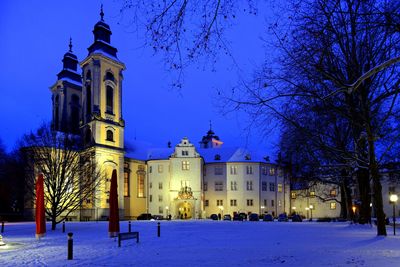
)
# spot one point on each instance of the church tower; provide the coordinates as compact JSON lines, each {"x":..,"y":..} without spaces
{"x":102,"y":121}
{"x":66,"y":95}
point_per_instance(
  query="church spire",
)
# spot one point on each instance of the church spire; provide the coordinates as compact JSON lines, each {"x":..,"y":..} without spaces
{"x":70,"y":45}
{"x":70,"y":66}
{"x":101,"y":13}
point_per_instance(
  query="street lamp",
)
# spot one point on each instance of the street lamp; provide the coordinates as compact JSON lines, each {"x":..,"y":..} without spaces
{"x":294,"y":210}
{"x":311,"y":208}
{"x":393,"y":199}
{"x":307,"y":209}
{"x":262,"y":209}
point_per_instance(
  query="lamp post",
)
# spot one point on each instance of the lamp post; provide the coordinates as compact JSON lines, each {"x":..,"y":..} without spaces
{"x":294,"y":210}
{"x":167,"y":210}
{"x":393,"y":199}
{"x":262,"y":209}
{"x":311,"y":208}
{"x":307,"y":209}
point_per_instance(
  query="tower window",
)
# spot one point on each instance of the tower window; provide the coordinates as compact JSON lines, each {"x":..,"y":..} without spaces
{"x":56,"y":112}
{"x":88,"y":100}
{"x":110,"y":135}
{"x":110,"y":99}
{"x":110,"y":76}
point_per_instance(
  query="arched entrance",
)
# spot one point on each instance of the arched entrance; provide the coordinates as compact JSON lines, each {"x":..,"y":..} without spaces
{"x":185,"y":210}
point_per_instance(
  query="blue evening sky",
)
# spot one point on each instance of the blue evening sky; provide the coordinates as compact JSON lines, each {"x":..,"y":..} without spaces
{"x":34,"y":38}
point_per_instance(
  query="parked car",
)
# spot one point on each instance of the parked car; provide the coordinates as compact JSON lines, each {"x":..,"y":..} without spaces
{"x":254,"y":217}
{"x":158,"y":217}
{"x":243,"y":215}
{"x":268,"y":218}
{"x":214,"y":217}
{"x":282,"y":217}
{"x":145,"y":216}
{"x":296,"y":218}
{"x":237,"y":217}
{"x":227,"y":217}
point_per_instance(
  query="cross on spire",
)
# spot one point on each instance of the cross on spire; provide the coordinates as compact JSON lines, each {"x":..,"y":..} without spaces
{"x":70,"y":44}
{"x":101,"y":12}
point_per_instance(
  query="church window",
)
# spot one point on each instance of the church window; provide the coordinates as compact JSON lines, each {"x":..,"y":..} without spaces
{"x":109,"y":99}
{"x":110,"y":76}
{"x":110,"y":135}
{"x":140,"y":187}
{"x":126,"y":184}
{"x":75,"y":113}
{"x":88,"y":100}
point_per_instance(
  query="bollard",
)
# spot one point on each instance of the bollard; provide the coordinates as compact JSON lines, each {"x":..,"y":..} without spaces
{"x":158,"y":229}
{"x":129,"y":227}
{"x":63,"y":227}
{"x":70,"y":246}
{"x":2,"y":227}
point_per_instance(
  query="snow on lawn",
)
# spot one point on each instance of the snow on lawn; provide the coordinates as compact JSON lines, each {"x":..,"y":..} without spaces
{"x":204,"y":243}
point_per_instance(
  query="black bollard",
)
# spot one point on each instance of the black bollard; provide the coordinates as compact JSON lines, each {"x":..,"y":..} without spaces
{"x":129,"y":227}
{"x":158,"y":229}
{"x":63,"y":227}
{"x":70,"y":246}
{"x":2,"y":227}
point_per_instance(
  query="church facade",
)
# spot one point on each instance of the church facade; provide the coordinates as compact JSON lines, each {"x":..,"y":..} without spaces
{"x":184,"y":181}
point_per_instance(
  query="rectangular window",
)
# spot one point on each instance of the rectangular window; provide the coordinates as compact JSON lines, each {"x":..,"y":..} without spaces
{"x":249,"y":185}
{"x":333,"y":205}
{"x":219,"y":186}
{"x":264,"y":186}
{"x":160,"y":168}
{"x":206,"y":203}
{"x":185,"y":165}
{"x":265,"y":202}
{"x":272,"y":187}
{"x":293,"y":195}
{"x":280,"y":187}
{"x":150,"y":169}
{"x":233,"y":186}
{"x":249,"y":169}
{"x":150,"y":185}
{"x":220,"y":202}
{"x":333,"y":193}
{"x":249,"y":202}
{"x":272,"y":203}
{"x":233,"y":169}
{"x":160,"y":210}
{"x":160,"y":198}
{"x":218,"y":171}
{"x":233,"y":202}
{"x":185,"y":153}
{"x":264,"y":170}
{"x":271,"y":171}
{"x":151,"y":198}
{"x":126,"y":184}
{"x":279,"y":203}
{"x":140,"y":186}
{"x":205,"y":186}
{"x":160,"y":186}
{"x":312,"y":193}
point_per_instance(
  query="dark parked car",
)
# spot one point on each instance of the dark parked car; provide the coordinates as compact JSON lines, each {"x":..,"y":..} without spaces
{"x":254,"y":217}
{"x":243,"y":215}
{"x":214,"y":217}
{"x":145,"y":216}
{"x":268,"y":218}
{"x":227,"y":217}
{"x":296,"y":218}
{"x":158,"y":217}
{"x":237,"y":217}
{"x":282,"y":217}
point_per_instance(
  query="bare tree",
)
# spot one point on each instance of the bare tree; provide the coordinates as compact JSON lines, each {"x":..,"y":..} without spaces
{"x":71,"y":175}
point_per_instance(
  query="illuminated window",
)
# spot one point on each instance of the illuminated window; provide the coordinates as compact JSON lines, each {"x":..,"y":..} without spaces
{"x":185,"y":165}
{"x":219,"y":186}
{"x":160,"y":168}
{"x":110,"y":135}
{"x":333,"y":193}
{"x":233,"y":202}
{"x":249,"y":202}
{"x":249,"y":169}
{"x":293,"y":195}
{"x":264,"y":186}
{"x":109,"y":99}
{"x":312,"y":193}
{"x":333,"y":205}
{"x":218,"y":171}
{"x":140,"y":186}
{"x":233,"y":169}
{"x":233,"y":186}
{"x":249,"y":185}
{"x":280,"y":187}
{"x":220,"y":202}
{"x":272,"y":187}
{"x":126,"y":184}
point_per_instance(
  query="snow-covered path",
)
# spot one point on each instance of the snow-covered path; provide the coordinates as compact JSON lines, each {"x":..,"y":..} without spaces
{"x":205,"y":243}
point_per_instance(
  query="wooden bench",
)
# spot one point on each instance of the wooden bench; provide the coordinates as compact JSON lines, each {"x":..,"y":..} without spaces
{"x":126,"y":236}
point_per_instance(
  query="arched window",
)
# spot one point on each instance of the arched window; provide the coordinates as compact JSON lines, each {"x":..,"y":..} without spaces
{"x":56,"y":112}
{"x":88,"y":100}
{"x":88,"y":75}
{"x":110,"y":76}
{"x":109,"y":135}
{"x":75,"y":113}
{"x":109,"y":99}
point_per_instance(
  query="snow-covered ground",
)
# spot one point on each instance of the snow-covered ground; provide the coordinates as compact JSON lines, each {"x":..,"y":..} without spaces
{"x":204,"y":243}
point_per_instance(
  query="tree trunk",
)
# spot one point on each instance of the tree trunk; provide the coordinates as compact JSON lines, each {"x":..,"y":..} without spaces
{"x":365,"y":196}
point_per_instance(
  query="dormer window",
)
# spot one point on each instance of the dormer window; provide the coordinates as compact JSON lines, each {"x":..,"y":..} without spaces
{"x":248,"y":157}
{"x":217,"y":157}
